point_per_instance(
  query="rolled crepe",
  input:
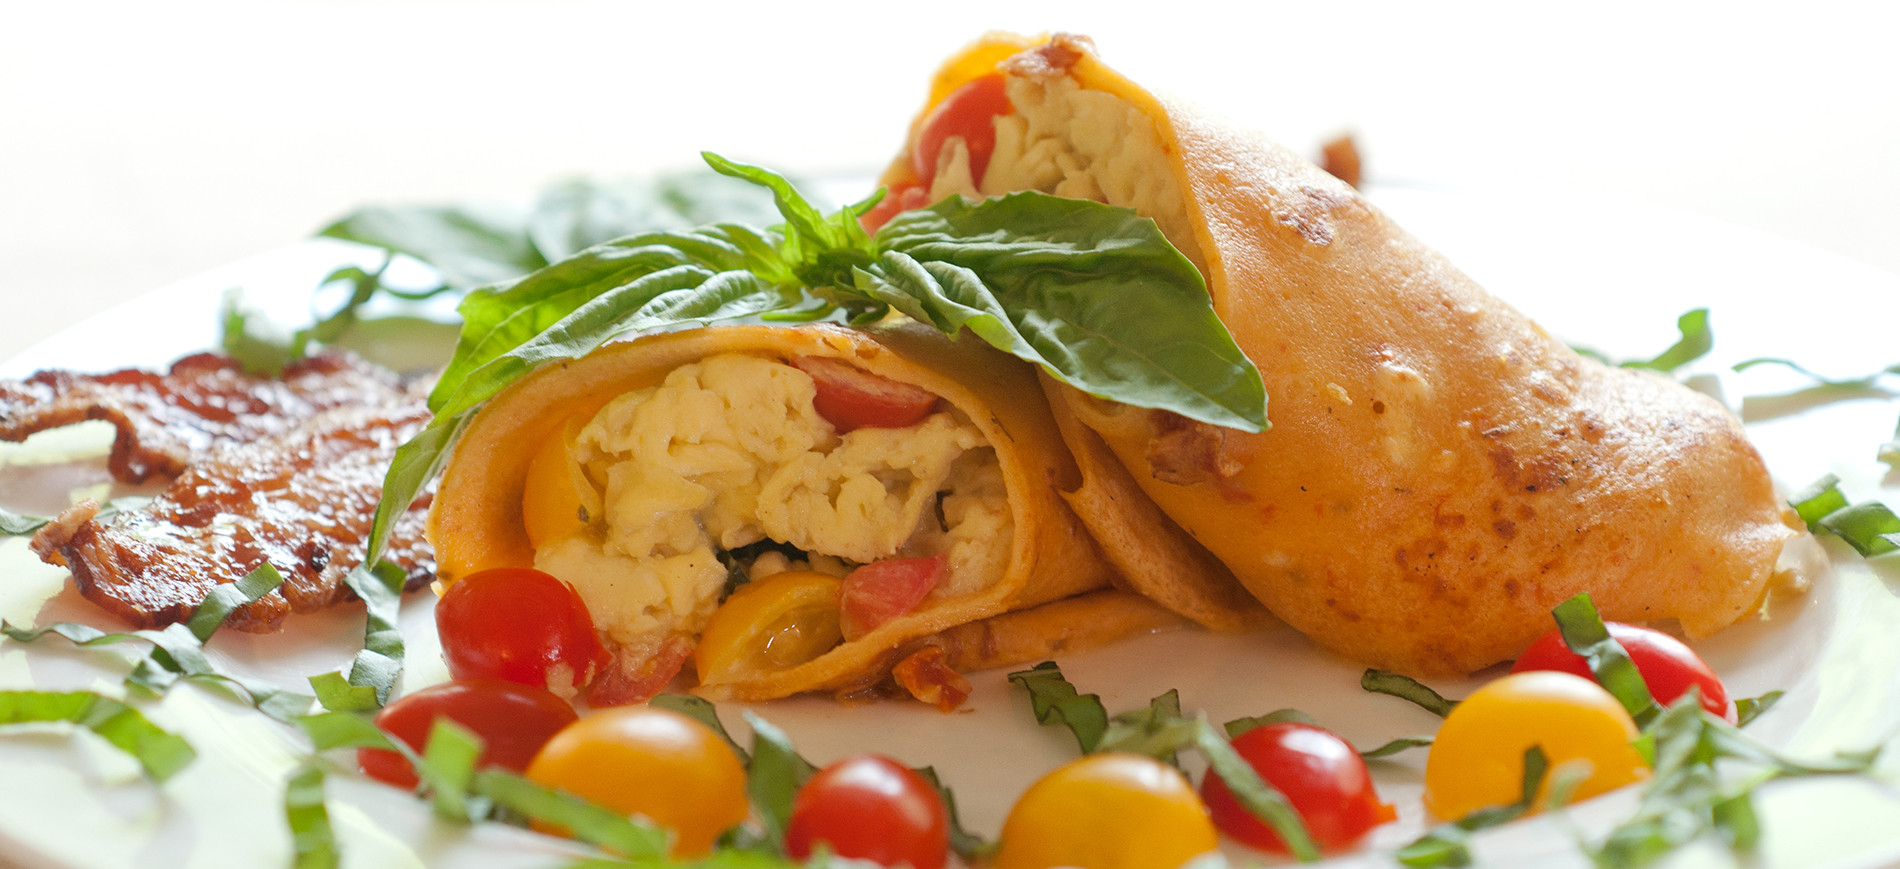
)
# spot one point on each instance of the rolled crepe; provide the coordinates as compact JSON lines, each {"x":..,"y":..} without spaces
{"x":1440,"y":472}
{"x":703,"y":444}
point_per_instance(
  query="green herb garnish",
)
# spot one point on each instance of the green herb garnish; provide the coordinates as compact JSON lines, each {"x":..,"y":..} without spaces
{"x":159,"y":752}
{"x":1696,"y":341}
{"x":1586,"y":635}
{"x":1407,"y":688}
{"x":1870,"y":527}
{"x":1055,"y":701}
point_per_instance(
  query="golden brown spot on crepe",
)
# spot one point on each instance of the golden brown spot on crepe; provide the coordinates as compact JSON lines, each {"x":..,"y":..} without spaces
{"x":1505,"y":528}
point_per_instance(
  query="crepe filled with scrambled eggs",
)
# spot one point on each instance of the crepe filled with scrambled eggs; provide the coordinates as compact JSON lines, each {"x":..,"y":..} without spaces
{"x":1440,"y":472}
{"x":712,"y":497}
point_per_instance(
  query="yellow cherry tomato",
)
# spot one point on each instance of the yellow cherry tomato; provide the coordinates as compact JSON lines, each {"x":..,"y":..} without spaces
{"x":1477,"y":759}
{"x":774,"y":623}
{"x":1107,"y":811}
{"x":558,"y":499}
{"x":660,"y":765}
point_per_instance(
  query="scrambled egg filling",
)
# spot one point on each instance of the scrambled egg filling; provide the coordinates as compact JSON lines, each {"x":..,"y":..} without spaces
{"x":1073,"y":142}
{"x":729,"y":451}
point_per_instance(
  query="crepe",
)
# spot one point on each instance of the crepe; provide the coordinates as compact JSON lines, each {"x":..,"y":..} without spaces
{"x":1439,"y":471}
{"x":1021,"y":545}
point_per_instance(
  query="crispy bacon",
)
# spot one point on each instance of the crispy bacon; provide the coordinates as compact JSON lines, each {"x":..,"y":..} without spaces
{"x":166,"y":421}
{"x":286,"y":470}
{"x":302,"y":500}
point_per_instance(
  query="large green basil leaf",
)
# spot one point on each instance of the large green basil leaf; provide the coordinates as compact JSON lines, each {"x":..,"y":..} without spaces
{"x":1093,"y":294}
{"x":470,"y":246}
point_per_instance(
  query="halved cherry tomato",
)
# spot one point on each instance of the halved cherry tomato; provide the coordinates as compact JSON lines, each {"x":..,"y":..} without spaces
{"x":774,"y":623}
{"x":880,"y":591}
{"x":519,"y":624}
{"x":1477,"y":759}
{"x":969,"y":113}
{"x":850,"y":398}
{"x":658,"y":764}
{"x":513,"y":720}
{"x":1107,"y":811}
{"x":894,"y":203}
{"x":870,"y":808}
{"x":1320,"y":774}
{"x":1668,"y":665}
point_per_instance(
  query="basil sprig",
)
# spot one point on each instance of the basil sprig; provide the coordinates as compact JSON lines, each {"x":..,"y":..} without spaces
{"x":1090,"y":293}
{"x":1869,"y":526}
{"x":159,"y":752}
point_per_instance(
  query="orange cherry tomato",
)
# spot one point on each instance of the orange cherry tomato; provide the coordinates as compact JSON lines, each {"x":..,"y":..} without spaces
{"x":653,"y":763}
{"x":1477,"y":759}
{"x":1107,"y":811}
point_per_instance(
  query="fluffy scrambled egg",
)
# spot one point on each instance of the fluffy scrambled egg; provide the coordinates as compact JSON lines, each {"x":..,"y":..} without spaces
{"x":729,"y":451}
{"x":1073,"y":142}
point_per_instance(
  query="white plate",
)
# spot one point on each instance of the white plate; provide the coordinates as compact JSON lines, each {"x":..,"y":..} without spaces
{"x":1601,"y":273}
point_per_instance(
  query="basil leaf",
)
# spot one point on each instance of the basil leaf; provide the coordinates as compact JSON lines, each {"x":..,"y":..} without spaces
{"x":256,"y":348}
{"x":417,"y":461}
{"x":1863,"y":382}
{"x":1406,"y":688}
{"x":575,"y":215}
{"x":330,"y":730}
{"x":160,"y":753}
{"x":313,"y":841}
{"x":1055,"y":701}
{"x":1092,"y":294}
{"x":469,"y":245}
{"x":221,"y":601}
{"x":1239,"y":726}
{"x":1586,"y":635}
{"x":1260,"y":798}
{"x":336,"y":694}
{"x":774,"y":776}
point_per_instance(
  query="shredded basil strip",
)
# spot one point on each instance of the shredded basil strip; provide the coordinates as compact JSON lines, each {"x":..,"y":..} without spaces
{"x":1695,"y":342}
{"x":774,"y":776}
{"x":1449,"y":844}
{"x":178,"y":649}
{"x":1055,"y":701}
{"x":1862,"y":382}
{"x":159,"y":752}
{"x":1747,"y":709}
{"x":1820,"y":498}
{"x":379,"y":662}
{"x":1870,"y":527}
{"x":1145,"y":730}
{"x":313,"y":841}
{"x":1239,"y":726}
{"x":1586,"y":635}
{"x":1396,"y":746}
{"x":970,"y":847}
{"x":701,"y":710}
{"x":1407,"y":688}
{"x":18,"y":525}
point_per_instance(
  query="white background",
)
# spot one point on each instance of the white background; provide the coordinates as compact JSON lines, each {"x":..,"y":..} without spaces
{"x":141,"y":143}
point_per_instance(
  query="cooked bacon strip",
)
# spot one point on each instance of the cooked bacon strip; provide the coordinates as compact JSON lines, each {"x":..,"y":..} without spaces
{"x":303,"y":499}
{"x":166,"y":421}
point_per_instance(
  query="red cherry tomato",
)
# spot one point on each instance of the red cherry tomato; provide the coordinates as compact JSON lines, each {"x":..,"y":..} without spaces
{"x":883,"y":590}
{"x":513,"y":720}
{"x":1668,"y":665}
{"x":851,"y":398}
{"x":870,"y":808}
{"x":519,"y":624}
{"x":895,"y":202}
{"x":966,"y":112}
{"x":1320,"y":774}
